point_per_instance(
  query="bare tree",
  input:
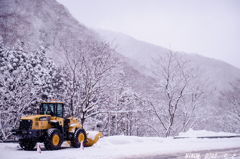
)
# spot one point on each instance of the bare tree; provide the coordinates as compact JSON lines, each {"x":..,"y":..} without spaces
{"x":180,"y":92}
{"x":229,"y":102}
{"x":97,"y":67}
{"x":91,"y":64}
{"x":73,"y":50}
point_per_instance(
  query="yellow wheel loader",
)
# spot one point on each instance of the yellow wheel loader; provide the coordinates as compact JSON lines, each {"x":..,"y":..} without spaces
{"x":49,"y":127}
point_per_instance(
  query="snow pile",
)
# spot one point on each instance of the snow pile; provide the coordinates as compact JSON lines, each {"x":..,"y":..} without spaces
{"x":92,"y":134}
{"x":125,"y":147}
{"x":204,"y":133}
{"x":127,"y":140}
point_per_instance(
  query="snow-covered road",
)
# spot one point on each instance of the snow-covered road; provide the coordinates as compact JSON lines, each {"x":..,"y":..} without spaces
{"x":124,"y":147}
{"x":229,"y":153}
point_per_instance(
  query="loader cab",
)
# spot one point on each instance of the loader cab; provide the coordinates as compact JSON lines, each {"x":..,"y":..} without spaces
{"x":52,"y":108}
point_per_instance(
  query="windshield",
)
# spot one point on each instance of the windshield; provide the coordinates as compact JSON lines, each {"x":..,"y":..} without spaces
{"x":47,"y":108}
{"x":53,"y":109}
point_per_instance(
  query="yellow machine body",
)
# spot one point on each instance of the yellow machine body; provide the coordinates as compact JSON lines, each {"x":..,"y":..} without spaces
{"x":43,"y":122}
{"x":73,"y":124}
{"x":49,"y":124}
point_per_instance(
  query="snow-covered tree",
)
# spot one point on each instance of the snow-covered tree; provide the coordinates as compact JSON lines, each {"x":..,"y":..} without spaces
{"x":17,"y":89}
{"x":74,"y":60}
{"x":229,"y":102}
{"x":180,"y":93}
{"x":98,"y":66}
{"x":25,"y":80}
{"x":90,"y":64}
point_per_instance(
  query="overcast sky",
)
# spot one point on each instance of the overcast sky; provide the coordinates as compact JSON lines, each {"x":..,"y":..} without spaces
{"x":207,"y":27}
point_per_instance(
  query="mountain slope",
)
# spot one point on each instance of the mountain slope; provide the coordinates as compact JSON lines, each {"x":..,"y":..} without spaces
{"x":39,"y":22}
{"x":218,"y":72}
{"x":45,"y":22}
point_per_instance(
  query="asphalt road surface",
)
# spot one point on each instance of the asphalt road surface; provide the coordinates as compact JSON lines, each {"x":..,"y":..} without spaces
{"x":230,"y":153}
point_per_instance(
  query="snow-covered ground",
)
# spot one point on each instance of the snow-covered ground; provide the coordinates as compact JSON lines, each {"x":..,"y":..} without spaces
{"x":126,"y":146}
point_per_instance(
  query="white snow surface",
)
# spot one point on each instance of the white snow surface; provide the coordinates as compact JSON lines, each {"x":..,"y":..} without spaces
{"x":53,"y":121}
{"x":124,"y":147}
{"x":72,"y":125}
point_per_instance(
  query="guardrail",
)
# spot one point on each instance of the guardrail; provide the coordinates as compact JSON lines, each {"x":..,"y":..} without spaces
{"x":208,"y":137}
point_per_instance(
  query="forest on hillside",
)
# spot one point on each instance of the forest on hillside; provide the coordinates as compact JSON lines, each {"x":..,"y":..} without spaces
{"x":94,"y":88}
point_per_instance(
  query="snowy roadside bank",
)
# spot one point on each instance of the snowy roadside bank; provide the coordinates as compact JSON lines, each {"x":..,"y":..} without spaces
{"x":122,"y":147}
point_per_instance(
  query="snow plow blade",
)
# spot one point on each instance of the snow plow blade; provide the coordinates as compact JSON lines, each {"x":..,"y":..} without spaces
{"x":92,"y":137}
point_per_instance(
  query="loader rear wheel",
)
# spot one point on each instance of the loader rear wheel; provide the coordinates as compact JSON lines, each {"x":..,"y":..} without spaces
{"x":54,"y":139}
{"x":78,"y":138}
{"x":27,"y":145}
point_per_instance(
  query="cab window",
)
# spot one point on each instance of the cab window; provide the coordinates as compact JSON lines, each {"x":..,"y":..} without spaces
{"x":53,"y":109}
{"x":60,"y":110}
{"x":47,"y":108}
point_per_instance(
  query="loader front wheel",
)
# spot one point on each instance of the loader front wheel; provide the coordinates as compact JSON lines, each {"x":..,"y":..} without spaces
{"x":53,"y":140}
{"x":78,"y":138}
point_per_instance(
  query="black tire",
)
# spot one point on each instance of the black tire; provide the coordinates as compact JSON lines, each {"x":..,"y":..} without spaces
{"x":27,"y":145}
{"x":79,"y":136}
{"x":53,"y":140}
